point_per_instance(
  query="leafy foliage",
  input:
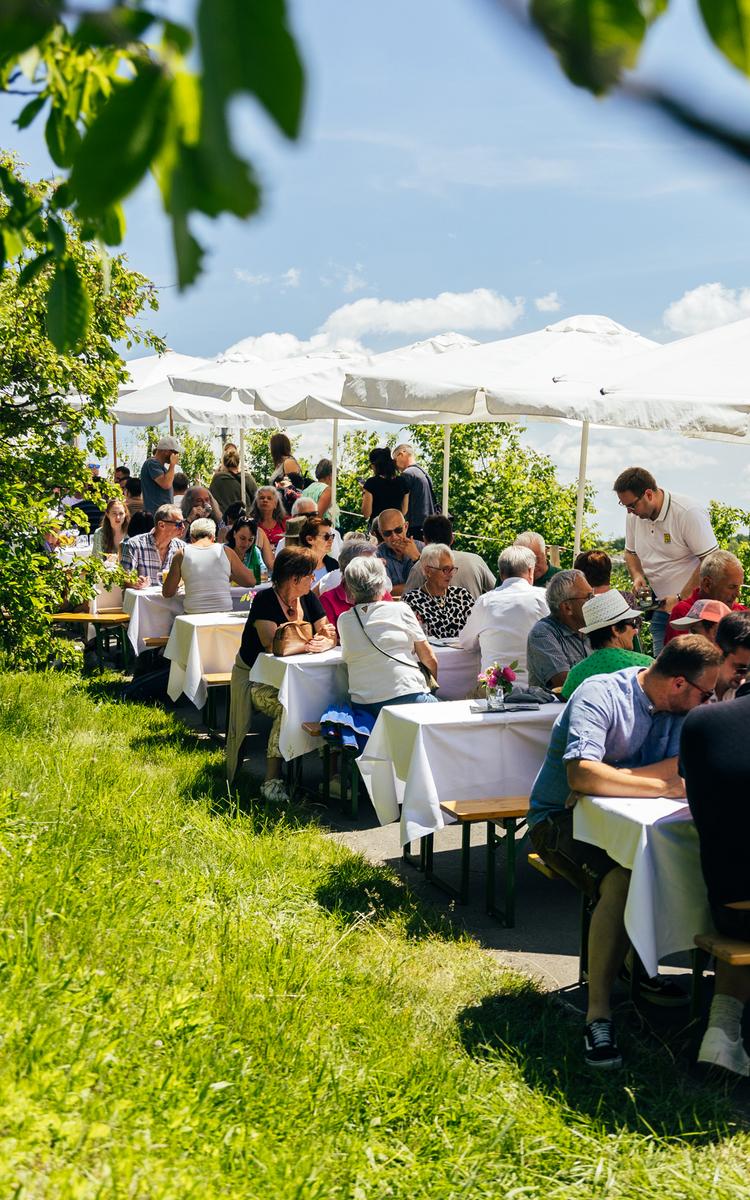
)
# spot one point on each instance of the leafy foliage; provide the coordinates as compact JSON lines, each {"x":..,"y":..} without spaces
{"x":730,"y":526}
{"x":117,"y":107}
{"x":198,"y":454}
{"x":50,"y":404}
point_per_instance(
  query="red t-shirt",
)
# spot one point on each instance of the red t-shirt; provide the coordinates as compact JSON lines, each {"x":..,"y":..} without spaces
{"x":682,"y":608}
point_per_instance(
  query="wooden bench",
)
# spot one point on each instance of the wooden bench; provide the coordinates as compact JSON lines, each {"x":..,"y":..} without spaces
{"x":102,"y":622}
{"x":212,"y":681}
{"x":348,"y":770}
{"x":507,"y":812}
{"x":155,"y":643}
{"x":715,"y":945}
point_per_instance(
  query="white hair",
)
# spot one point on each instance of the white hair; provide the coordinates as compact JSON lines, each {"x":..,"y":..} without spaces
{"x":530,"y":539}
{"x":515,"y":561}
{"x":561,"y":587}
{"x":366,"y":579}
{"x":299,"y":511}
{"x":202,"y":527}
{"x":715,"y":564}
{"x":354,"y":549}
{"x":432,"y":553}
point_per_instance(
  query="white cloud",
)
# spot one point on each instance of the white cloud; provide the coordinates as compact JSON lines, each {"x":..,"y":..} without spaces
{"x":610,"y":451}
{"x":706,"y":307}
{"x":480,"y":309}
{"x":354,"y":280}
{"x":548,"y":303}
{"x":291,"y":278}
{"x":271,"y":346}
{"x":248,"y":277}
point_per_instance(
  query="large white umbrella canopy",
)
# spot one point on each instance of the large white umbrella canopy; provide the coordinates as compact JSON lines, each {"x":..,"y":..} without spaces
{"x":154,"y":405}
{"x":153,"y":369}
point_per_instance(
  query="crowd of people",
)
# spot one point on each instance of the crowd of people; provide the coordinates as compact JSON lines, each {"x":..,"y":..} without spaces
{"x":631,"y":723}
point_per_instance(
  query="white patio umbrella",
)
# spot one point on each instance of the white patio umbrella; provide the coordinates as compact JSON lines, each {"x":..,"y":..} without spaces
{"x":155,"y":368}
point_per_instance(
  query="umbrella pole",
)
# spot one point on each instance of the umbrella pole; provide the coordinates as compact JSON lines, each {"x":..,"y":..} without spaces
{"x":446,"y":468}
{"x":334,"y":465}
{"x":581,"y":487}
{"x":114,"y":445}
{"x":171,"y":422}
{"x":242,"y":465}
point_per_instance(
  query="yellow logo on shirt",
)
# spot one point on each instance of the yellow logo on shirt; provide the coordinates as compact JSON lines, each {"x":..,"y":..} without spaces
{"x":667,"y":537}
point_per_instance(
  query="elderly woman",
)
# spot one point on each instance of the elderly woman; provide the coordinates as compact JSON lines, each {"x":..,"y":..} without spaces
{"x":317,"y":534}
{"x":113,"y":529}
{"x":442,"y":608}
{"x":198,"y":502}
{"x":268,"y":511}
{"x":610,"y":625}
{"x":206,"y":568}
{"x":335,"y":600}
{"x":288,"y":599}
{"x":383,"y":644}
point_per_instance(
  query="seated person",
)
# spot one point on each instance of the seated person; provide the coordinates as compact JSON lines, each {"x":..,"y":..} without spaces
{"x":335,"y":577}
{"x":596,"y":565}
{"x":703,"y":617}
{"x":335,"y":600}
{"x":198,"y":502}
{"x":472,"y":571}
{"x":442,"y":608}
{"x":618,"y":735}
{"x":382,"y":643}
{"x":611,"y":624}
{"x":288,"y":599}
{"x":86,"y":513}
{"x":555,"y":643}
{"x":148,"y":554}
{"x":398,"y":551}
{"x":500,"y":622}
{"x":140,"y":522}
{"x":112,"y":531}
{"x":180,"y":485}
{"x":241,"y":538}
{"x":721,"y":578}
{"x":226,"y":484}
{"x":317,"y":534}
{"x":733,"y":639}
{"x":543,"y":571}
{"x":269,"y":512}
{"x":133,"y":493}
{"x":205,"y":567}
{"x":715,"y":762}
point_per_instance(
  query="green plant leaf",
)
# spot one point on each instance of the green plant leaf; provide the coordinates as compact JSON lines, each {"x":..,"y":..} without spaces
{"x":188,"y":251}
{"x":116,"y":26}
{"x":32,"y":269}
{"x":246,"y":46}
{"x":25,"y":22}
{"x":595,"y":40}
{"x":728,"y":25}
{"x":179,"y":37}
{"x":56,"y":237}
{"x":113,"y":225}
{"x":29,"y":111}
{"x":62,"y":138}
{"x":122,"y":142}
{"x":68,"y":308}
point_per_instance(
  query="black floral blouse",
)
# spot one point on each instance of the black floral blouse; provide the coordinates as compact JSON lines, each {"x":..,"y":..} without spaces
{"x":441,"y":616}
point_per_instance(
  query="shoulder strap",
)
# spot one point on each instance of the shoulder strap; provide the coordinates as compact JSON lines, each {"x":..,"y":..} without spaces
{"x":380,"y":650}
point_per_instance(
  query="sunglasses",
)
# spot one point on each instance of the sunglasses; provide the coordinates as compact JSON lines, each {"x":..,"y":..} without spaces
{"x":705,"y":696}
{"x":328,"y":537}
{"x":390,"y":532}
{"x":178,"y":523}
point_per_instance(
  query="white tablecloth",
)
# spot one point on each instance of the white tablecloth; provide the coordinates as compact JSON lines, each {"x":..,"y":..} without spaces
{"x":420,"y":755}
{"x":152,"y":615}
{"x":67,"y":554}
{"x":658,"y":842}
{"x":203,"y":644}
{"x":308,"y":684}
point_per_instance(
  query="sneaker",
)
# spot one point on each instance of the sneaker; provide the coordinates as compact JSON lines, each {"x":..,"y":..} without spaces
{"x":719,"y":1050}
{"x":661,"y":989}
{"x":274,"y":791}
{"x":334,"y":787}
{"x":600,"y":1046}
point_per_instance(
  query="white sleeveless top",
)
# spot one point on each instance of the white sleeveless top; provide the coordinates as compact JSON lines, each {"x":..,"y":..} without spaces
{"x":206,"y":572}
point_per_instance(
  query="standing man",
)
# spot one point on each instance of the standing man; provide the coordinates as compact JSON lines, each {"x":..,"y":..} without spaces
{"x":666,"y":538}
{"x":157,"y":474}
{"x":543,"y":571}
{"x":421,"y":492}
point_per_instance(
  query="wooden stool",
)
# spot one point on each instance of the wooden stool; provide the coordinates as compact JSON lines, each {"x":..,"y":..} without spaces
{"x":714,"y":945}
{"x":155,"y":643}
{"x":212,"y":681}
{"x":507,"y":812}
{"x":102,"y":622}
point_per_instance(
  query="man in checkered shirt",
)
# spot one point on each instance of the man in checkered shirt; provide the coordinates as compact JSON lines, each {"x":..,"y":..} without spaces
{"x":151,"y":553}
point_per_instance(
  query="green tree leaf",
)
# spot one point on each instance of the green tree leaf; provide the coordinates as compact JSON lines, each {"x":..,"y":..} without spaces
{"x":62,"y":138}
{"x":728,"y":24}
{"x":29,"y":111}
{"x":188,"y":251}
{"x":32,"y":269}
{"x":24,"y":22}
{"x":115,"y":26}
{"x":595,"y":40}
{"x":68,"y":308}
{"x":246,"y":46}
{"x":56,"y":237}
{"x":119,"y":147}
{"x":113,"y":225}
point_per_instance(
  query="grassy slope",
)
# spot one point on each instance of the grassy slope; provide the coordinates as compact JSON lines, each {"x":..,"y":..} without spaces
{"x":191,"y":1005}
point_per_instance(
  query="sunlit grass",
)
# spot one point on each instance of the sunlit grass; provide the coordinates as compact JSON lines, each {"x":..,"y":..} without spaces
{"x":198,"y":1002}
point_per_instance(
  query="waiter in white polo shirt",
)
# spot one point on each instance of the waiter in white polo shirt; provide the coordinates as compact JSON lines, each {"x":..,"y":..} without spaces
{"x":666,"y":536}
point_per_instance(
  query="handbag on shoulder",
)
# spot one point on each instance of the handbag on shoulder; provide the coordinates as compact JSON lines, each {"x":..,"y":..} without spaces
{"x":291,"y":638}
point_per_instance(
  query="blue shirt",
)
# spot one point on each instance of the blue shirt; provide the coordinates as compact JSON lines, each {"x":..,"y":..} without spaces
{"x":398,"y":568}
{"x":610,"y":719}
{"x":153,"y":495}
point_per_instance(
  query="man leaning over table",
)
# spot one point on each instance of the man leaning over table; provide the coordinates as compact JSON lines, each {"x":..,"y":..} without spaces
{"x":666,"y":538}
{"x":151,"y":553}
{"x":617,"y":736}
{"x":398,"y":551}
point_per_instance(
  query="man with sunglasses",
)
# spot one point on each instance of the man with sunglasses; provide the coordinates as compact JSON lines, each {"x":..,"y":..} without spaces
{"x":666,"y":538}
{"x":151,"y":553}
{"x":398,"y":551}
{"x":618,"y":735}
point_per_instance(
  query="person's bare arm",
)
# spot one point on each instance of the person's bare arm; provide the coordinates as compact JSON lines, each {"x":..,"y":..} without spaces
{"x":426,"y":656}
{"x":239,"y":571}
{"x":635,"y":567}
{"x":601,"y":779}
{"x":324,"y":502}
{"x":367,"y":505}
{"x":291,"y":464}
{"x":556,"y":681}
{"x":167,"y":479}
{"x":324,"y":638}
{"x":686,"y":590}
{"x":173,"y":577}
{"x":265,"y":631}
{"x":405,"y":504}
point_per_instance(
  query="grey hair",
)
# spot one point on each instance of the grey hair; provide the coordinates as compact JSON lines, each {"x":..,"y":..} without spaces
{"x":356,"y":535}
{"x":366,"y":579}
{"x":203,"y":527}
{"x":561,"y":587}
{"x":403,"y":448}
{"x":715,"y":564}
{"x":354,"y":549}
{"x":167,"y":512}
{"x":432,"y":553}
{"x":530,"y":539}
{"x":188,"y":501}
{"x":303,"y":501}
{"x":515,"y":561}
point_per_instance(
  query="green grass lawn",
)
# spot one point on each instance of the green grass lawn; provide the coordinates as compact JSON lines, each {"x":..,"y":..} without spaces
{"x":197,"y":1003}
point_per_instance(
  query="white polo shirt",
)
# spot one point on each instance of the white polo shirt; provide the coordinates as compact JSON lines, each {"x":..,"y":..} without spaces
{"x":671,"y":546}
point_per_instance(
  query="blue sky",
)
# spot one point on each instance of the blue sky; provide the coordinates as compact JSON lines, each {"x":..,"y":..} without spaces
{"x":443,"y":152}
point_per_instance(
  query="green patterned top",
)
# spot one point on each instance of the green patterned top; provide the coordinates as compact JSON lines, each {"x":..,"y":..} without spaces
{"x":602,"y":662}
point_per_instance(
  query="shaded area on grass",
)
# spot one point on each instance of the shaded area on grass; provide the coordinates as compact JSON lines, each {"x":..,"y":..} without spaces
{"x":354,"y":888}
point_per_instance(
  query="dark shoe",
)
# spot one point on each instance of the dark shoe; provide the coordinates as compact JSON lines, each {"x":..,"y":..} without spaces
{"x":600,"y":1046}
{"x":660,"y":990}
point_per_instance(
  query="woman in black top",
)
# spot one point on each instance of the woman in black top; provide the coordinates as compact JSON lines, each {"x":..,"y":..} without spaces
{"x":385,"y":488}
{"x":288,"y":599}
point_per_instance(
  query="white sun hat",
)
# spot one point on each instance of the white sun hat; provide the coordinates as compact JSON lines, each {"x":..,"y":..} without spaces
{"x":608,"y":608}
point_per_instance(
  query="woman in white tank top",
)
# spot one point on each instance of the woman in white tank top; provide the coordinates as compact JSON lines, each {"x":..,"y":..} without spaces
{"x":206,"y":569}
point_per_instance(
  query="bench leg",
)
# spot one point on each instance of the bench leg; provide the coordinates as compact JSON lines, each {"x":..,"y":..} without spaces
{"x":354,"y":783}
{"x":506,"y":916}
{"x":99,"y":639}
{"x":412,"y":860}
{"x":583,"y":958}
{"x":461,"y":893}
{"x":700,"y":961}
{"x":326,"y":772}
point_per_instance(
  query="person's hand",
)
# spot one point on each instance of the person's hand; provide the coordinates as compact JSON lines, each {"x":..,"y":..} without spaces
{"x":318,"y":644}
{"x":675,"y":788}
{"x":143,"y":581}
{"x":328,"y":630}
{"x":668,"y":603}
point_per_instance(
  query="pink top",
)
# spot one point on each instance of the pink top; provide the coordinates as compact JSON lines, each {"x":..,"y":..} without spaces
{"x":335,"y":602}
{"x":275,"y":533}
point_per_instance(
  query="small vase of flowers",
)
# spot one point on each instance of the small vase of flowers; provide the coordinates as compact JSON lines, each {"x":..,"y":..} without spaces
{"x":498,"y":681}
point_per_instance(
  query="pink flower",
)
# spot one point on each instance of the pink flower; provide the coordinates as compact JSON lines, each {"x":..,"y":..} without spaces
{"x":492,"y":679}
{"x":508,"y":674}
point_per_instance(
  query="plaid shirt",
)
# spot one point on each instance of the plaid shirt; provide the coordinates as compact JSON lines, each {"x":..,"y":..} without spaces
{"x":140,"y":554}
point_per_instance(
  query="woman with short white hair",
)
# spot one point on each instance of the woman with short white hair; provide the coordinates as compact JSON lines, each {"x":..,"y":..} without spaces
{"x":442,"y":608}
{"x":206,"y":568}
{"x":382,"y":643}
